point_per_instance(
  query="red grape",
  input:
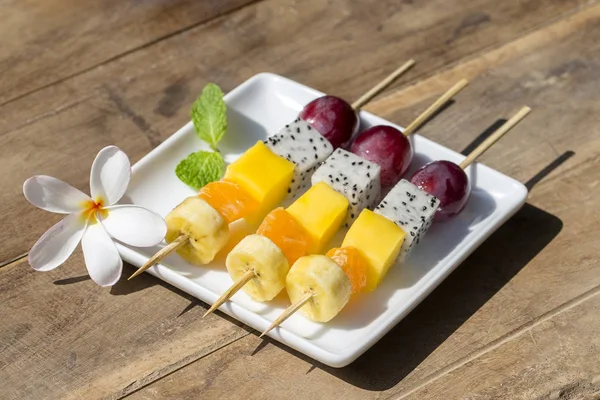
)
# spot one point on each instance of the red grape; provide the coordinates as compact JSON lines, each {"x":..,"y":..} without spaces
{"x":388,"y":147}
{"x":446,"y":181}
{"x":333,"y":118}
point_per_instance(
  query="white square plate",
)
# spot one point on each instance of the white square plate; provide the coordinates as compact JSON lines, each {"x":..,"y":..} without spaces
{"x":261,"y":106}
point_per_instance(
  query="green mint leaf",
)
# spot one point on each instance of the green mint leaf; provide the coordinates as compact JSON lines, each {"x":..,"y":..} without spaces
{"x":209,"y":115}
{"x":201,"y":168}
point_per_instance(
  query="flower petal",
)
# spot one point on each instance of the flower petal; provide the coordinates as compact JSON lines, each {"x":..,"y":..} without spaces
{"x":102,"y":259}
{"x":57,"y":244}
{"x":135,"y":225}
{"x":110,"y":175}
{"x":53,"y":195}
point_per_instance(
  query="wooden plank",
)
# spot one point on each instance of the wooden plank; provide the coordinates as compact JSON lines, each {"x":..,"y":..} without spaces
{"x":149,"y":92}
{"x":554,"y":359}
{"x":245,"y":370}
{"x":64,"y":337}
{"x":547,"y":360}
{"x":48,"y":41}
{"x":538,"y":261}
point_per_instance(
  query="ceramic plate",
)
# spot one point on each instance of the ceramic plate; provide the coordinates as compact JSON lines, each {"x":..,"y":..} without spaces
{"x":259,"y":107}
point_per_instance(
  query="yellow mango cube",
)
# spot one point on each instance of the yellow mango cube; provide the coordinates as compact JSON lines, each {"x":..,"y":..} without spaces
{"x":378,"y":240}
{"x":264,"y":175}
{"x":321,"y":211}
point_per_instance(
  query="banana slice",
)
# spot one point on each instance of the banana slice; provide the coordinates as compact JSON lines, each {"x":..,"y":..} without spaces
{"x":270,"y":266}
{"x":208,"y":231}
{"x":329,"y":285}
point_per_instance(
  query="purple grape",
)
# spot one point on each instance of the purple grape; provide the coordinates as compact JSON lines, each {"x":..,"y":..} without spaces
{"x":333,"y":118}
{"x":446,"y":181}
{"x":388,"y":147}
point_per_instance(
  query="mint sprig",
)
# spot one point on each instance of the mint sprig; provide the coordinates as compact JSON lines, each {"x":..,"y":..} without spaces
{"x":209,"y":115}
{"x":200,"y":168}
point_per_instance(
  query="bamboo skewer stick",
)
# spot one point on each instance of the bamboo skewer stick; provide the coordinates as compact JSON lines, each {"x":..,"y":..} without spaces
{"x":479,"y":150}
{"x":161,"y":254}
{"x":288,"y":313}
{"x":231,"y":291}
{"x":387,"y":81}
{"x":432,"y":109}
{"x":487,"y":143}
{"x":364,"y":99}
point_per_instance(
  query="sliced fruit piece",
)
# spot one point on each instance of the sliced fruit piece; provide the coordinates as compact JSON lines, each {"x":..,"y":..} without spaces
{"x":208,"y":231}
{"x":237,"y":231}
{"x":325,"y":280}
{"x":229,"y":199}
{"x":354,"y":265}
{"x":378,"y":240}
{"x":354,"y":177}
{"x":286,"y":233}
{"x":270,"y":266}
{"x":321,"y":211}
{"x":412,"y":209}
{"x":299,"y":143}
{"x":264,"y":175}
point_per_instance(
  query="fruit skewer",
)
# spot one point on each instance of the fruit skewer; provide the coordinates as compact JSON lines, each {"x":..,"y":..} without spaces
{"x":342,"y":187}
{"x":320,"y":286}
{"x":262,"y":177}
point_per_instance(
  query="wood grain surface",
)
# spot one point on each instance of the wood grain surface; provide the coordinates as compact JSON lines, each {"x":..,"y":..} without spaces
{"x":545,"y":361}
{"x":518,"y":319}
{"x":65,"y":337}
{"x":49,"y":41}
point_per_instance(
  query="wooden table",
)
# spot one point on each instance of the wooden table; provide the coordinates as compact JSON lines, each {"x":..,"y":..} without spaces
{"x":519,"y":319}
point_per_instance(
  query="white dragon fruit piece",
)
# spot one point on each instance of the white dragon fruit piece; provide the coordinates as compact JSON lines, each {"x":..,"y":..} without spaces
{"x":412,"y":209}
{"x":354,"y":177}
{"x":301,"y":144}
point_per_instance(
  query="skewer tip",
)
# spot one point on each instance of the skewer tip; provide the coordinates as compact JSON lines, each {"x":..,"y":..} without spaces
{"x":136,"y":273}
{"x":378,"y":88}
{"x":287,"y":313}
{"x":209,"y":311}
{"x":231,"y":291}
{"x":435,"y":107}
{"x":494,"y":137}
{"x":161,"y":254}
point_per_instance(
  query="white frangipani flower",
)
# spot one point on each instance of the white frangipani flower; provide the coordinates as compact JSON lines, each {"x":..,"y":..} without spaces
{"x":94,"y":221}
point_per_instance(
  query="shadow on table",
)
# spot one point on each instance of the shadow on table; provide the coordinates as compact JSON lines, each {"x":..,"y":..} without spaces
{"x":123,"y":286}
{"x":439,"y":111}
{"x":70,"y":281}
{"x":466,"y":290}
{"x":141,"y":282}
{"x":484,"y":135}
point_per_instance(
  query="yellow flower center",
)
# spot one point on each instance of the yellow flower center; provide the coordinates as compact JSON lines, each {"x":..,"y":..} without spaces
{"x":92,"y":209}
